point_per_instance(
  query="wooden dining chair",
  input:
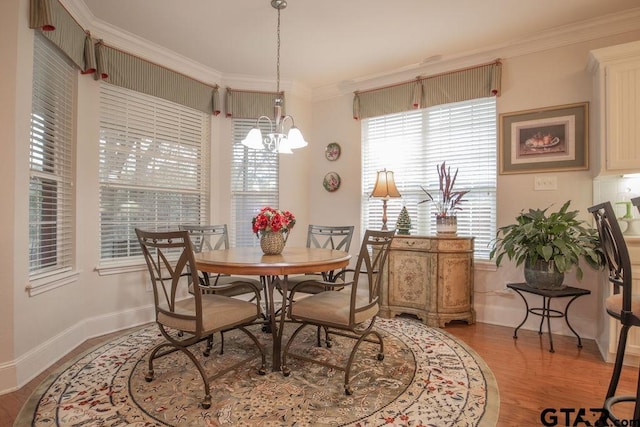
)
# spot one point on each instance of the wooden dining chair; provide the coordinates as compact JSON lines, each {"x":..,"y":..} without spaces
{"x":351,"y":312}
{"x":622,"y":305}
{"x":188,"y":318}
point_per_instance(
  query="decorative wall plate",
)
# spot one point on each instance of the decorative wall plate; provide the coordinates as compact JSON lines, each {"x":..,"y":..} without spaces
{"x":331,"y":181}
{"x":332,"y":152}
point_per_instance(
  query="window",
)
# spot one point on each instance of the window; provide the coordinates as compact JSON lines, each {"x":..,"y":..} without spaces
{"x":153,"y":168}
{"x":51,"y":192}
{"x":254,"y":184}
{"x":413,"y":143}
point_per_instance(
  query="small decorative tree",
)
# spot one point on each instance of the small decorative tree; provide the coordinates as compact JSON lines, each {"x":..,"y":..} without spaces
{"x":404,"y":222}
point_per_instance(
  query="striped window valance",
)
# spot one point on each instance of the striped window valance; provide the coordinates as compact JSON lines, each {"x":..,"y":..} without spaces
{"x":117,"y":67}
{"x":129,"y":71}
{"x":244,"y":104}
{"x":461,"y":85}
{"x":57,"y":24}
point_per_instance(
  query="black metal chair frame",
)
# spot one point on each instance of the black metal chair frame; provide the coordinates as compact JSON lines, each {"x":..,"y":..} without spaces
{"x":210,"y":238}
{"x":370,"y":269}
{"x":169,"y":256}
{"x":336,"y":237}
{"x":618,"y":265}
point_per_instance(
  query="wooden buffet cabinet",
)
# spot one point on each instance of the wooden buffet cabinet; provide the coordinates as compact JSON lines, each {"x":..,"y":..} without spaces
{"x":430,"y":277}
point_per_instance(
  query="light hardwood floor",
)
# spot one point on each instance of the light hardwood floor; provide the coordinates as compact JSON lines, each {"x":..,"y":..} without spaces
{"x":530,"y":378}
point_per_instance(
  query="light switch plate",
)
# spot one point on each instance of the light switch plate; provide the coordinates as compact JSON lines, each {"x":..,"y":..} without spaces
{"x":545,"y":183}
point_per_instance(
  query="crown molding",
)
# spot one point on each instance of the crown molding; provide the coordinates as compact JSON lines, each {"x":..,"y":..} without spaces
{"x":604,"y":26}
{"x":613,"y":54}
{"x":135,"y":45}
{"x":128,"y":42}
{"x":592,"y":29}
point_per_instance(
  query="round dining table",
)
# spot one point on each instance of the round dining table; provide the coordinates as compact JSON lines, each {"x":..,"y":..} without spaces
{"x":274,"y":269}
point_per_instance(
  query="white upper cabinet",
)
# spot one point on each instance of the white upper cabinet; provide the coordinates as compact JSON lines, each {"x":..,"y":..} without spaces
{"x":615,"y":129}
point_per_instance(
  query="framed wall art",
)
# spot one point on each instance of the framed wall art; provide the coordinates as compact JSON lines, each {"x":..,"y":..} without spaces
{"x":544,"y":140}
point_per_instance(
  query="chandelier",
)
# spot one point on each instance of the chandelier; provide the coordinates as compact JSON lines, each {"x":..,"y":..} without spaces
{"x":276,"y":140}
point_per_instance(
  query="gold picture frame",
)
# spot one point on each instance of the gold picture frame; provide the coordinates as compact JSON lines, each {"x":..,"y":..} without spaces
{"x":551,"y":139}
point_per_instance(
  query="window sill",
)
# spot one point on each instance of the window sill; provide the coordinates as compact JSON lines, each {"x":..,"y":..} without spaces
{"x":50,"y":282}
{"x":106,"y":268}
{"x":484,"y":265}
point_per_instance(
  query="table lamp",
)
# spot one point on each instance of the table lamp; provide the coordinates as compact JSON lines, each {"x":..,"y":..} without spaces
{"x":385,"y":188}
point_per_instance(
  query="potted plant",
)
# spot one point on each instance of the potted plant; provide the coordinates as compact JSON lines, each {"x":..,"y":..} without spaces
{"x":448,"y":201}
{"x":549,"y":245}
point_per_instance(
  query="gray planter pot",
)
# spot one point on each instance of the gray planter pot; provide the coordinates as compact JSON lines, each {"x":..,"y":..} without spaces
{"x":541,"y":274}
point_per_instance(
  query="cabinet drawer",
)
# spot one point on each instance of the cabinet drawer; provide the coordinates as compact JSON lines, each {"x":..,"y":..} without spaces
{"x":453,"y":245}
{"x":407,"y":243}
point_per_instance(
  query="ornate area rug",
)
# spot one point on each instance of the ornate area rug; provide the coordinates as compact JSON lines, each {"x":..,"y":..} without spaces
{"x":427,"y":378}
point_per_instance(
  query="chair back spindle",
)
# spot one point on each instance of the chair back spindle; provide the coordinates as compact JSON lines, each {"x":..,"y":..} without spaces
{"x":614,"y":248}
{"x":330,"y":237}
{"x":622,"y":305}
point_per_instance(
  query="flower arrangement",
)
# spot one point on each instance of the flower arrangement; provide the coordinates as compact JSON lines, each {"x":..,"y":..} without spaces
{"x":448,"y":202}
{"x":270,"y":219}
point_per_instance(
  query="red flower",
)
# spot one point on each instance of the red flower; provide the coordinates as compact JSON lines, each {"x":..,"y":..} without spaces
{"x":270,"y":219}
{"x":277,"y":222}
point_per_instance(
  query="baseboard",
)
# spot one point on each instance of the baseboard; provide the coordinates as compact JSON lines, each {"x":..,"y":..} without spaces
{"x":496,"y":315}
{"x":15,"y":374}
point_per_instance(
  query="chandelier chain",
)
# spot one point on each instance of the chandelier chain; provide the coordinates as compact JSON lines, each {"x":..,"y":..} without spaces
{"x":277,"y":139}
{"x":278,"y":57}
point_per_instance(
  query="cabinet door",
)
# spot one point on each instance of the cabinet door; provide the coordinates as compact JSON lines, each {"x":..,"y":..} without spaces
{"x":409,"y":273}
{"x":622,"y":102}
{"x":454,"y":282}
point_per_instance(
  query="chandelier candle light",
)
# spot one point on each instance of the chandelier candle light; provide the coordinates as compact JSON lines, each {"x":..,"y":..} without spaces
{"x":385,"y":188}
{"x":276,"y":140}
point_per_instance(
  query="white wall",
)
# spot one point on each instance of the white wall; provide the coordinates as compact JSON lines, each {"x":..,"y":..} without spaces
{"x":9,"y":23}
{"x":36,"y":331}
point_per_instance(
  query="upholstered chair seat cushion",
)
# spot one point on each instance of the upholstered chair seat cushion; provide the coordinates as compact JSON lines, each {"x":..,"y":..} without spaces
{"x":614,"y":305}
{"x":217,"y":312}
{"x":331,"y":307}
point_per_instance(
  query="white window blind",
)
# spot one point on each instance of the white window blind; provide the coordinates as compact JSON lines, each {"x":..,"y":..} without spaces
{"x":254,"y":184}
{"x":51,"y":192}
{"x":412,"y":144}
{"x":153,"y":168}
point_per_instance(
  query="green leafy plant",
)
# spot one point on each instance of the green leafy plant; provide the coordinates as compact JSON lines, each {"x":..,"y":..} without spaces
{"x":448,"y":201}
{"x":558,"y":236}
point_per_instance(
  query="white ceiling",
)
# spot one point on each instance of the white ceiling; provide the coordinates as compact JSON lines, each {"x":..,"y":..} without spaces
{"x":325,"y":42}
